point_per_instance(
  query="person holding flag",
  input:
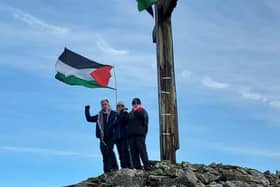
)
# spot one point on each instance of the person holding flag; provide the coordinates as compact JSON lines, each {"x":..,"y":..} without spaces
{"x":77,"y":70}
{"x":105,"y":120}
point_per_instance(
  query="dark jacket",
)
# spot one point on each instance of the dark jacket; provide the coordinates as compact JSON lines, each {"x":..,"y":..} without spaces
{"x":138,"y":122}
{"x":107,"y":125}
{"x":120,"y":127}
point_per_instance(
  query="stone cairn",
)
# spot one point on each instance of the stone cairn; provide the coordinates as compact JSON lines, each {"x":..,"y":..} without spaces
{"x":165,"y":174}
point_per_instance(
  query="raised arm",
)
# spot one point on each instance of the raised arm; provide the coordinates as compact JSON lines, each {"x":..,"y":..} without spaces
{"x":88,"y":116}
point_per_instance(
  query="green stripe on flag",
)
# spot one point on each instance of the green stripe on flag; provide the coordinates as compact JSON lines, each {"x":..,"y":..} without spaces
{"x":73,"y":80}
{"x":144,"y":4}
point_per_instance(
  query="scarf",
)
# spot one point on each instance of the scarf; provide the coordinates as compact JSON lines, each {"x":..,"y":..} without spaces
{"x":100,"y":121}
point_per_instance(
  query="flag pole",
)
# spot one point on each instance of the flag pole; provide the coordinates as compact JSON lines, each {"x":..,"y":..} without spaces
{"x":116,"y":89}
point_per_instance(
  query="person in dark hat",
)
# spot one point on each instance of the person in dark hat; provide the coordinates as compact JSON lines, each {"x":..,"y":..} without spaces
{"x":136,"y":131}
{"x":105,"y":120}
{"x":121,"y":135}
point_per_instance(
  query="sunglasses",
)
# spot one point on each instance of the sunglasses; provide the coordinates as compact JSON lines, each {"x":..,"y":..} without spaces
{"x":120,"y":105}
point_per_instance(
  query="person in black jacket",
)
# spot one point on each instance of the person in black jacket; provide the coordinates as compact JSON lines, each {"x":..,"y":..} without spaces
{"x":137,"y":131}
{"x":105,"y":120}
{"x":121,"y":135}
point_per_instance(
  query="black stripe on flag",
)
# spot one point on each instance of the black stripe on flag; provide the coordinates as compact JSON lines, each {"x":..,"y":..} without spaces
{"x":77,"y":61}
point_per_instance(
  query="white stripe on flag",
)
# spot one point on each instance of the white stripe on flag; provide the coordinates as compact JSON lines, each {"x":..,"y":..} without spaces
{"x":68,"y":70}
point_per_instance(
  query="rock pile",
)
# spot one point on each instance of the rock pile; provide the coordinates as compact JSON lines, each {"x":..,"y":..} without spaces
{"x":166,"y":174}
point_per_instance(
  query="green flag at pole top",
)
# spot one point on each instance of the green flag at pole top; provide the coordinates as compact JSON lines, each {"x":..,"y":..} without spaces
{"x":144,"y":4}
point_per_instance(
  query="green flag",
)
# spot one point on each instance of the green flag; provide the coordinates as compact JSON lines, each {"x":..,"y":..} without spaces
{"x":144,"y":4}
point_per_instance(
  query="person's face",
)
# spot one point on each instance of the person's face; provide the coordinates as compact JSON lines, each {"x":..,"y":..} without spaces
{"x":134,"y":105}
{"x":120,"y":107}
{"x":105,"y":105}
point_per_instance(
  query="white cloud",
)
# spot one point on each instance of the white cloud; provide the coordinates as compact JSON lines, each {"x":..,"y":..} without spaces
{"x":38,"y":23}
{"x":253,"y":96}
{"x":249,"y":151}
{"x":186,"y":74}
{"x":106,"y":48}
{"x":208,"y":82}
{"x":275,"y":104}
{"x":48,"y":152}
{"x":244,"y":92}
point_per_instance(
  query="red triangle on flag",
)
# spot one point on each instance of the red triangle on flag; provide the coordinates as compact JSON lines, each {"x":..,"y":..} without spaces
{"x":102,"y":75}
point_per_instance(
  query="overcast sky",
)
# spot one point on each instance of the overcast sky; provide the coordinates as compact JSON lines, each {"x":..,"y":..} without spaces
{"x":227,"y":76}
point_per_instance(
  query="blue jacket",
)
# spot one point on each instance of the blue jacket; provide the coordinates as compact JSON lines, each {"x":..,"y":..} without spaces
{"x":107,"y":126}
{"x":120,"y":127}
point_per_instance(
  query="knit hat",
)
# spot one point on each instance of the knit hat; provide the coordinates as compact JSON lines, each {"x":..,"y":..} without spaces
{"x":120,"y":103}
{"x":136,"y":101}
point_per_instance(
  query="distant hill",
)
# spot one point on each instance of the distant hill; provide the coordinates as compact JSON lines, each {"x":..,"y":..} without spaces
{"x":166,"y":174}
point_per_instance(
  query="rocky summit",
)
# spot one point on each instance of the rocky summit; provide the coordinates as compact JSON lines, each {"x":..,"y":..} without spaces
{"x":166,"y":174}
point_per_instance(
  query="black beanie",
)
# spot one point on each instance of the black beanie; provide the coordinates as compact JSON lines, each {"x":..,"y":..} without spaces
{"x":136,"y":100}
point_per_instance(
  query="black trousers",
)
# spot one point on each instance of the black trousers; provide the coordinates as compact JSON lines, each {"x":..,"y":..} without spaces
{"x":122,"y":148}
{"x":109,"y":157}
{"x":137,"y":150}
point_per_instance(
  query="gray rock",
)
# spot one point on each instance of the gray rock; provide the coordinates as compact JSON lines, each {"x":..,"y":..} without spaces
{"x":165,"y":174}
{"x":207,"y":174}
{"x":236,"y":184}
{"x":214,"y":185}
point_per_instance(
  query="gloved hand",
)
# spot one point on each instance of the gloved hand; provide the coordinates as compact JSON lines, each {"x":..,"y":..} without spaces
{"x":87,"y":107}
{"x":124,"y":110}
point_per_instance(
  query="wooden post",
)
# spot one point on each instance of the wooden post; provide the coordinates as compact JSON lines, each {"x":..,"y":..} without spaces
{"x":169,"y":137}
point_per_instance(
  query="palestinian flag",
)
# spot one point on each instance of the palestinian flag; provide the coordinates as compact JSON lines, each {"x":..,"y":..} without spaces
{"x":146,"y":4}
{"x":74,"y":69}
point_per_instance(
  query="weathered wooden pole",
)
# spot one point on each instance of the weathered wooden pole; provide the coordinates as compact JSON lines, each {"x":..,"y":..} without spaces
{"x":169,"y":136}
